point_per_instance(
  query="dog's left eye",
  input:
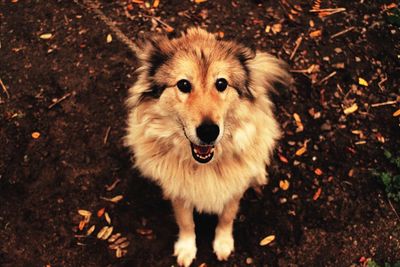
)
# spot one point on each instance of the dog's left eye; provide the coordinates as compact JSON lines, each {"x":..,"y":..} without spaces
{"x":221,"y":84}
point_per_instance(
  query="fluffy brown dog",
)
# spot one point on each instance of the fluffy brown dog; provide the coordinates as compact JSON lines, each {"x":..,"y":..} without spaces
{"x":201,"y":125}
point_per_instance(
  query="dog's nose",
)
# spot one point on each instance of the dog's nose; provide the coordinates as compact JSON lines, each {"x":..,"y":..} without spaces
{"x":207,"y":131}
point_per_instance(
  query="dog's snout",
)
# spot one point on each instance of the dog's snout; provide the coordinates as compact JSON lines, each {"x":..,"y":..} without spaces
{"x":207,"y":132}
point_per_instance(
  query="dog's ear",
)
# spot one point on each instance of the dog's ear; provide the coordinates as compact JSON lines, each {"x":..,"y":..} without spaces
{"x":245,"y":55}
{"x":153,"y":52}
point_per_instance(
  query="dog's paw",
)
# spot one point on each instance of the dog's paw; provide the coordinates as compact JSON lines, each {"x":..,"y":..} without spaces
{"x":185,"y":251}
{"x":223,"y":246}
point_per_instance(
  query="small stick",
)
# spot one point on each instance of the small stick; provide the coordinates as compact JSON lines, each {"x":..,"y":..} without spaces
{"x":342,"y":32}
{"x":384,"y":103}
{"x":166,"y":25}
{"x":107,"y":134}
{"x":331,"y":13}
{"x":381,"y":82}
{"x":395,"y":212}
{"x":59,"y":100}
{"x":327,"y":78}
{"x":4,"y":88}
{"x":339,"y":9}
{"x":113,"y":185}
{"x":298,"y":42}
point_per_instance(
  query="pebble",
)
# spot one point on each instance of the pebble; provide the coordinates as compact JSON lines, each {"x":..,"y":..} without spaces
{"x":249,"y":260}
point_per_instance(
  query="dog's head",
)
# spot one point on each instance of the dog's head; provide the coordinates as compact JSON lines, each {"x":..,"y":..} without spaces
{"x":197,"y":81}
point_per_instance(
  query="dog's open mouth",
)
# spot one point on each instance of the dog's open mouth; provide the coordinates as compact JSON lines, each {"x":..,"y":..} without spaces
{"x":202,"y":154}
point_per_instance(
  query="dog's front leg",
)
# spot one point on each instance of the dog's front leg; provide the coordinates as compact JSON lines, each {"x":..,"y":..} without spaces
{"x":185,"y":246}
{"x":223,"y":243}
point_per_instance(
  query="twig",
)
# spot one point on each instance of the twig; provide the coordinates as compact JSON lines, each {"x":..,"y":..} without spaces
{"x":166,"y":25}
{"x":325,"y":14}
{"x":107,"y":134}
{"x":342,"y":32}
{"x":326,"y":78}
{"x":309,"y":70}
{"x":298,"y":42}
{"x":113,"y":185}
{"x":394,"y":210}
{"x":381,"y":82}
{"x":4,"y":88}
{"x":59,"y":100}
{"x":339,"y":9}
{"x":384,"y":103}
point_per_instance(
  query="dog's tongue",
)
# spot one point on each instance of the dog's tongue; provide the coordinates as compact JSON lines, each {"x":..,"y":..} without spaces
{"x":204,"y":150}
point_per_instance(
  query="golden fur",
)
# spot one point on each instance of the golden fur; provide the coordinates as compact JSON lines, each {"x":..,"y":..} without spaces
{"x":162,"y":122}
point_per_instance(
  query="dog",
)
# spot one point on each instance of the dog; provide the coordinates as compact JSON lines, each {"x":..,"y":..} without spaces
{"x":201,"y":125}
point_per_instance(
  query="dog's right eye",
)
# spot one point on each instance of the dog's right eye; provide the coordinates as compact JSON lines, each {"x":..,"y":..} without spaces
{"x":184,"y":86}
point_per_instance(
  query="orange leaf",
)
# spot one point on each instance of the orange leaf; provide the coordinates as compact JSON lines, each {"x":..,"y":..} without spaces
{"x":318,"y":171}
{"x":350,"y":109}
{"x":317,"y":194}
{"x":284,"y":184}
{"x":283,"y":159}
{"x":301,"y":150}
{"x":100,"y":212}
{"x":156,"y":3}
{"x":396,"y":113}
{"x":315,"y":34}
{"x":199,"y":1}
{"x":81,"y":225}
{"x":35,"y":135}
{"x":267,"y":240}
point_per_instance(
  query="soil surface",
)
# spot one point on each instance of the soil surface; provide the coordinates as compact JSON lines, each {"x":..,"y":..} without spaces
{"x":62,"y":118}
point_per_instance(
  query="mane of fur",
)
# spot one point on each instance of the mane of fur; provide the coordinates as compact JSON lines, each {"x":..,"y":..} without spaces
{"x":163,"y":154}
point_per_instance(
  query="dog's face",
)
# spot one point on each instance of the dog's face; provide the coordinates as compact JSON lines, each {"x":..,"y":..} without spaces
{"x":197,"y":81}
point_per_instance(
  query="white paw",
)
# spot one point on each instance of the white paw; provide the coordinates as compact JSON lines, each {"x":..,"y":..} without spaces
{"x":185,"y":251}
{"x":223,"y":246}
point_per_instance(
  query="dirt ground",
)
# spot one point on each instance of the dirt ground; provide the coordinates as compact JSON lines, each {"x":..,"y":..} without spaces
{"x":62,"y":117}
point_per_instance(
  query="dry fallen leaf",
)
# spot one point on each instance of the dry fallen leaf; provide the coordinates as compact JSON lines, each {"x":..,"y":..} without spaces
{"x":317,"y":193}
{"x":156,"y":3}
{"x":302,"y":150}
{"x":114,"y":237}
{"x":100,"y":212}
{"x":315,"y":34}
{"x":283,"y":158}
{"x":350,"y":109}
{"x":362,"y":82}
{"x":267,"y":240}
{"x":276,"y":28}
{"x":45,"y":36}
{"x":107,"y":217}
{"x":81,"y":225}
{"x":284,"y":184}
{"x":101,"y":233}
{"x":318,"y":171}
{"x":299,"y":124}
{"x":90,"y":230}
{"x":114,"y":199}
{"x":200,"y":1}
{"x":107,"y":233}
{"x":109,"y":38}
{"x":396,"y":113}
{"x":84,"y":213}
{"x":35,"y":135}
